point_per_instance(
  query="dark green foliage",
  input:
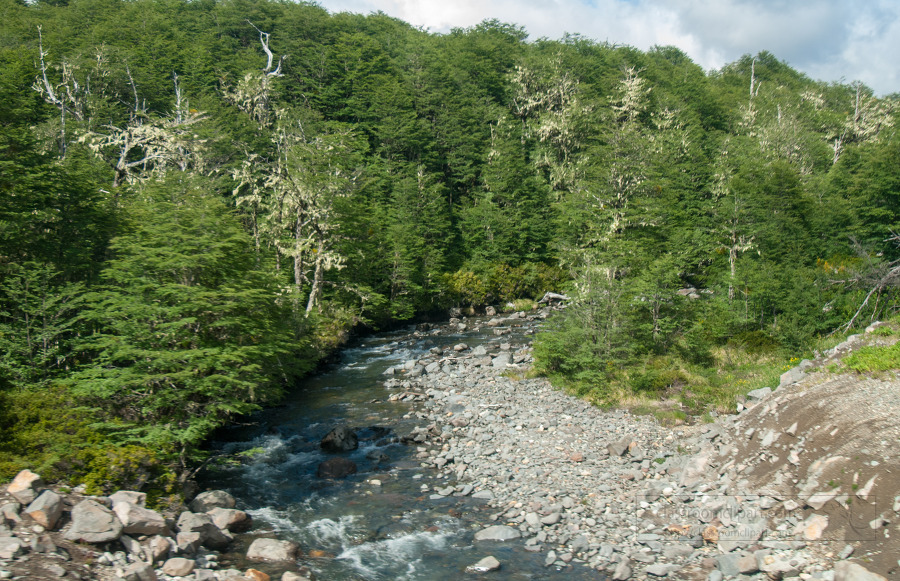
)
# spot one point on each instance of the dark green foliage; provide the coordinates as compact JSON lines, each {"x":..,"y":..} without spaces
{"x":186,"y":332}
{"x":387,"y":173}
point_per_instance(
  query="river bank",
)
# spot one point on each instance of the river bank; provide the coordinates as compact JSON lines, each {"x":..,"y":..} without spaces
{"x":495,"y":465}
{"x":627,"y":497}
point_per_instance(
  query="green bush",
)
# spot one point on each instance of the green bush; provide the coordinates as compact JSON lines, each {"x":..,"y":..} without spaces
{"x":755,"y":342}
{"x":465,"y":288}
{"x":870,"y":359}
{"x":43,"y":430}
{"x":127,"y":468}
{"x":657,"y":377}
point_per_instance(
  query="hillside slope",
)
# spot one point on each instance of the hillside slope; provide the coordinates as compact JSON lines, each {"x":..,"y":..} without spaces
{"x":822,"y":449}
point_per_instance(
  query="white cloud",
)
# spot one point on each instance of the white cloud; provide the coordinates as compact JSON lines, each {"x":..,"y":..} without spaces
{"x":832,"y":40}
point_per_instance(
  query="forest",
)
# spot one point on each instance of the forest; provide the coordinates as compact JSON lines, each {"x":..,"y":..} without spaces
{"x":199,"y":200}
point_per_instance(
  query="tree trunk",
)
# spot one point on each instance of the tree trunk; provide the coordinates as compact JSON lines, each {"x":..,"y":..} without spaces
{"x":317,"y":277}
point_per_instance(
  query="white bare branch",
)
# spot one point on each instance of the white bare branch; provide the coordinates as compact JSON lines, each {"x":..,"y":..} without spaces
{"x":264,"y":40}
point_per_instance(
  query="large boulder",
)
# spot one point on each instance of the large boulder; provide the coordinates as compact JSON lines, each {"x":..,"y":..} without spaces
{"x":206,"y":501}
{"x":211,"y":536}
{"x":340,"y":439}
{"x":26,"y":486}
{"x":231,"y":519}
{"x":272,"y":550}
{"x":46,"y":509}
{"x":93,"y":523}
{"x":140,"y":521}
{"x":336,"y":468}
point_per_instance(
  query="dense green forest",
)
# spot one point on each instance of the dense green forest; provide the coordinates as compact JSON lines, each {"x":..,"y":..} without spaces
{"x":200,"y":199}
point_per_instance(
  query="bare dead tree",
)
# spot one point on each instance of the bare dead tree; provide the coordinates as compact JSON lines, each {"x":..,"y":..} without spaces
{"x":877,"y":279}
{"x":67,"y":96}
{"x":264,"y":39}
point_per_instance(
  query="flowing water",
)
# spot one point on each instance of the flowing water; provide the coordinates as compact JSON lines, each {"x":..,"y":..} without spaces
{"x":355,"y":529}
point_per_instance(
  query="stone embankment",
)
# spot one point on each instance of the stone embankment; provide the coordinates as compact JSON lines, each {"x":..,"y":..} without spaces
{"x":792,"y":487}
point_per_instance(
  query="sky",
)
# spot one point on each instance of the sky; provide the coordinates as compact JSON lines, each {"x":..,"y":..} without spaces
{"x":829,"y":40}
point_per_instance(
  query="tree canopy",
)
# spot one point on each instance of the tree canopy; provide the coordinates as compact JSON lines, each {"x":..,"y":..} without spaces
{"x":199,"y":199}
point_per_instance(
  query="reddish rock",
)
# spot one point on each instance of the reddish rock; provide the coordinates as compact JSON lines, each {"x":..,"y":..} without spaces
{"x":26,"y":486}
{"x":255,"y":575}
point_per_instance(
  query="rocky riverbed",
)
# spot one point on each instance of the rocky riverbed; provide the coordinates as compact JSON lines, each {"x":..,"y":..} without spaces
{"x":799,"y":484}
{"x":768,"y":492}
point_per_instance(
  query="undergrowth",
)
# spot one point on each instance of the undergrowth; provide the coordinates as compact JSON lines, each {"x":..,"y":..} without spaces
{"x":676,"y":391}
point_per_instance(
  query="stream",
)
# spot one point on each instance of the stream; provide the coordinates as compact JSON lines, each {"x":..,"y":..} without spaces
{"x":380,"y":523}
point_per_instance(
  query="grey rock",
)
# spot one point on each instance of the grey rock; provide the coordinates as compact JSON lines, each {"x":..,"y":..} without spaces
{"x":43,"y":544}
{"x":135,"y":498}
{"x":661,"y":569}
{"x":93,"y":523}
{"x":759,"y":394}
{"x":484,"y":565}
{"x":791,"y":376}
{"x":9,"y":513}
{"x":178,"y":567}
{"x":55,"y":569}
{"x":620,"y":447}
{"x":188,"y":542}
{"x":728,"y":564}
{"x":46,"y":509}
{"x":694,"y":471}
{"x":551,"y":519}
{"x":210,"y":535}
{"x":498,"y":533}
{"x":676,"y":550}
{"x":502,"y":360}
{"x":211,"y":499}
{"x":231,"y":519}
{"x":132,"y":546}
{"x":140,"y":571}
{"x":158,"y":547}
{"x":137,"y":520}
{"x":622,"y":570}
{"x":272,"y":550}
{"x":11,"y":547}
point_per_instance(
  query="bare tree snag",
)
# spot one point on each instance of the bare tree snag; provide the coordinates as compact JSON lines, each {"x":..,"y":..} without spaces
{"x":264,"y":40}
